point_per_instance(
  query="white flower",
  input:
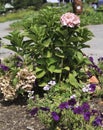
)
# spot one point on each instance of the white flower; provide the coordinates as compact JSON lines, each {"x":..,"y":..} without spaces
{"x":46,"y":88}
{"x":52,"y":83}
{"x":85,"y":89}
{"x":73,"y":96}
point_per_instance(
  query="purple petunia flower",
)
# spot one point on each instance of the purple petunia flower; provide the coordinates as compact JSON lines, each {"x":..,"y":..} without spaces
{"x":101,"y":115}
{"x":97,"y":121}
{"x":55,"y":116}
{"x":34,"y":111}
{"x":89,"y":74}
{"x":64,"y":105}
{"x":87,"y":116}
{"x":77,"y":110}
{"x":92,"y":87}
{"x":85,"y":107}
{"x":91,"y":59}
{"x":72,"y":102}
{"x":3,"y":67}
{"x":99,"y":71}
{"x":94,"y":112}
{"x":100,"y":59}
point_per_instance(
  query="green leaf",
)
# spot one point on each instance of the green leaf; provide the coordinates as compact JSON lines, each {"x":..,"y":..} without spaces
{"x":73,"y":80}
{"x":58,"y":71}
{"x":66,"y":68}
{"x":51,"y":68}
{"x":79,"y":56}
{"x":50,"y":61}
{"x":38,"y":69}
{"x":15,"y":81}
{"x":42,"y":84}
{"x":49,"y":54}
{"x":47,"y":42}
{"x":40,"y":74}
{"x":59,"y":54}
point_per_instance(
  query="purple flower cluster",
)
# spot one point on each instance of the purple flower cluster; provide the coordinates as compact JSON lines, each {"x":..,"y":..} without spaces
{"x":89,"y":88}
{"x":34,"y":111}
{"x":94,"y":67}
{"x":83,"y":109}
{"x":4,"y":67}
{"x":100,"y":59}
{"x":19,"y":61}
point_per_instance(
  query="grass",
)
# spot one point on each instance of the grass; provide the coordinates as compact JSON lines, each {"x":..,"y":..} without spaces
{"x":15,"y":15}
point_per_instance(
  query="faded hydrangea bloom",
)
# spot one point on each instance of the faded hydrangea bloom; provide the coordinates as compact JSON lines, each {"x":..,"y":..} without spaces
{"x":70,"y":20}
{"x":26,"y":79}
{"x":6,"y":88}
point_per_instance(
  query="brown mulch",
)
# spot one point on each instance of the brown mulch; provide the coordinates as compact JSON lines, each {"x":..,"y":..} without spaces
{"x":15,"y":116}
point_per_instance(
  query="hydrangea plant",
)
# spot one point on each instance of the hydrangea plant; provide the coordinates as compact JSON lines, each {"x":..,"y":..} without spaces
{"x":52,"y":43}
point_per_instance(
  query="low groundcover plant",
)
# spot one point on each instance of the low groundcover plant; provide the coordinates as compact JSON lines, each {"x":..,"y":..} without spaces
{"x":70,"y":115}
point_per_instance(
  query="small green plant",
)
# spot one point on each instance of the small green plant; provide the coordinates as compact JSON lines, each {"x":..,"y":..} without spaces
{"x":66,"y":115}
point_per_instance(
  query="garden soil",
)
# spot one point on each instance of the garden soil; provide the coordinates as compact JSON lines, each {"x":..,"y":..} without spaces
{"x":14,"y":115}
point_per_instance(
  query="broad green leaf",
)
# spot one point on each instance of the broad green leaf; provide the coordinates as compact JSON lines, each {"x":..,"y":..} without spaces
{"x":38,"y":69}
{"x":66,"y":68}
{"x":49,"y":54}
{"x":51,"y":68}
{"x":47,"y":42}
{"x":58,"y":71}
{"x":79,"y":56}
{"x":50,"y":61}
{"x":73,"y":80}
{"x":59,"y":54}
{"x":40,"y":74}
{"x":15,"y":81}
{"x":42,"y":84}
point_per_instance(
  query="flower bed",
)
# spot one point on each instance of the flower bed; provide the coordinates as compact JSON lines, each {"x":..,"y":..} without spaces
{"x":50,"y":68}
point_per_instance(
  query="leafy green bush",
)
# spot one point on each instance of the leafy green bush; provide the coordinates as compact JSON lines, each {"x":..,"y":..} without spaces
{"x":26,"y":3}
{"x":55,"y":49}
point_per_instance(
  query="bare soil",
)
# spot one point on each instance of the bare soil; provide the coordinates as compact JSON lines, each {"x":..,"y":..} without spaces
{"x":15,"y":116}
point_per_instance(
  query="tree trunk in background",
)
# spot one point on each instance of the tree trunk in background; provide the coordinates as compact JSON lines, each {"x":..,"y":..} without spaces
{"x":77,"y":6}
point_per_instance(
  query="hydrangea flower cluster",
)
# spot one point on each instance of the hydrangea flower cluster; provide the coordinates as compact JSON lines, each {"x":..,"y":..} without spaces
{"x":83,"y":109}
{"x":25,"y":82}
{"x":70,"y":20}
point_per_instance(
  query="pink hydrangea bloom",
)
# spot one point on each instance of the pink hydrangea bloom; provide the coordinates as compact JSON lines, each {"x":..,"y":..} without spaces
{"x":70,"y":20}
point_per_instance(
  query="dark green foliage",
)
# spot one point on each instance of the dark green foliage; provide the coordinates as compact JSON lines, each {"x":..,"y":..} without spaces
{"x":53,"y":49}
{"x":25,"y":3}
